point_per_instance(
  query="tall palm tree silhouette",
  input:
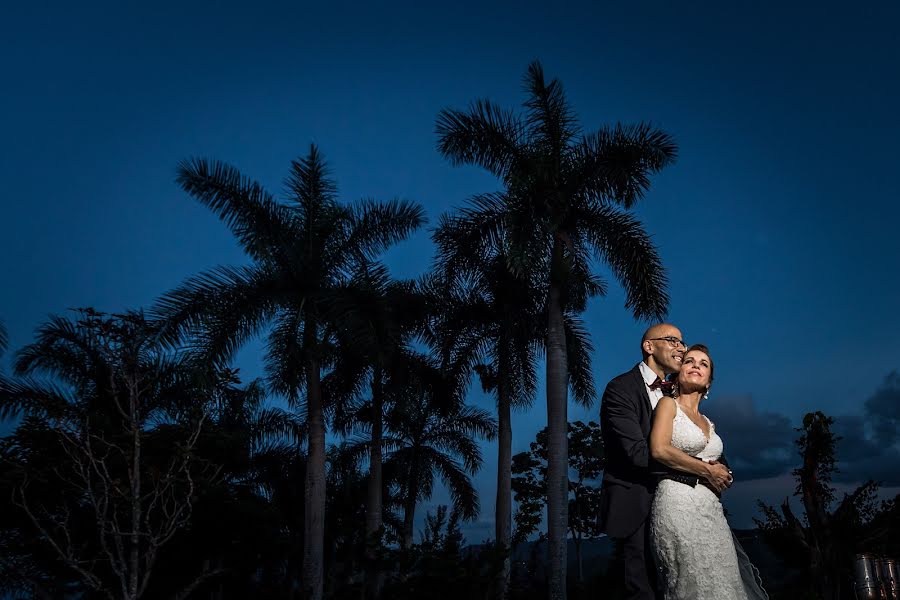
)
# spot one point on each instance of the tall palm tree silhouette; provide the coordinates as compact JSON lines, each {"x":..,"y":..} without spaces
{"x":562,"y":201}
{"x":303,"y":254}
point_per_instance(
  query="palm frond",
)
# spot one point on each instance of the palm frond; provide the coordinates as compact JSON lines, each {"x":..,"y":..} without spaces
{"x":462,"y":492}
{"x":523,"y":388}
{"x":578,"y":353}
{"x":285,"y":355}
{"x":272,"y":466}
{"x":477,"y":228}
{"x":276,"y":424}
{"x":357,"y":448}
{"x":550,"y":119}
{"x":27,"y":396}
{"x":261,"y":225}
{"x":173,"y":389}
{"x":376,"y":226}
{"x":621,"y":242}
{"x":580,"y":284}
{"x":342,"y":393}
{"x":310,"y":186}
{"x":486,"y":136}
{"x":360,"y":308}
{"x":474,"y":421}
{"x":459,"y":444}
{"x":529,"y":231}
{"x":615,"y":164}
{"x":62,"y":348}
{"x":489,"y":314}
{"x":222,"y":308}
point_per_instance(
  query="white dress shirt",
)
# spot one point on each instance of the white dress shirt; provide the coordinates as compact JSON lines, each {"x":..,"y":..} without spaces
{"x":650,"y":377}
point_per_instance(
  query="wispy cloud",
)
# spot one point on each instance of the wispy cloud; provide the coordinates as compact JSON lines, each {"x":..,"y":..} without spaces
{"x":758,"y":444}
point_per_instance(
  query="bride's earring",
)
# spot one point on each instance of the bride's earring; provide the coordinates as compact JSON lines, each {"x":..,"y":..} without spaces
{"x":706,"y":394}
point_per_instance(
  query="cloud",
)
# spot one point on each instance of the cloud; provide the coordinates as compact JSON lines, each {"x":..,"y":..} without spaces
{"x":883,"y":410}
{"x":758,"y":444}
{"x":869,"y":447}
{"x":883,"y":468}
{"x":761,"y":444}
{"x":741,"y":500}
{"x":856,"y":441}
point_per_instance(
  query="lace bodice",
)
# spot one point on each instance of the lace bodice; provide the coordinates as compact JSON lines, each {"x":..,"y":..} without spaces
{"x":687,"y":436}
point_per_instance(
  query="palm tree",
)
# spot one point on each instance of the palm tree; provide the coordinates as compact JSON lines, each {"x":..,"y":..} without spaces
{"x":383,"y":317}
{"x":303,"y":253}
{"x":427,"y":442}
{"x":490,"y":320}
{"x":493,"y":320}
{"x":562,"y":201}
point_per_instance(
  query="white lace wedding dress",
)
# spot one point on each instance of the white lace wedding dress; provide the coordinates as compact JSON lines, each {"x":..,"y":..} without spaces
{"x":695,"y":549}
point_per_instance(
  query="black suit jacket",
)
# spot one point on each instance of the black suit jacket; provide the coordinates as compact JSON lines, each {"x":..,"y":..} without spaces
{"x":630,"y":476}
{"x":627,"y":489}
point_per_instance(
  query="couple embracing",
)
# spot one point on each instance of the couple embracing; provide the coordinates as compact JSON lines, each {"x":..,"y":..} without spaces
{"x":665,"y":472}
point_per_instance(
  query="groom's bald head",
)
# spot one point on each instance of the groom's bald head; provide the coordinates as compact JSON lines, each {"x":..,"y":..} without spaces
{"x":662,"y":354}
{"x":661,"y":330}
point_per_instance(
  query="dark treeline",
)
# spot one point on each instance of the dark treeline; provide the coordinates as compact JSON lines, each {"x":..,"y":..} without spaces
{"x":143,"y":467}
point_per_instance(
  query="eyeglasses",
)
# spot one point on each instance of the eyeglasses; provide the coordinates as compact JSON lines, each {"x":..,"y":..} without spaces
{"x":673,"y":341}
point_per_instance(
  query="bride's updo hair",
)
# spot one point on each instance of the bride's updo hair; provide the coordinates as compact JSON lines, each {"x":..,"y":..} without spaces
{"x":705,"y":350}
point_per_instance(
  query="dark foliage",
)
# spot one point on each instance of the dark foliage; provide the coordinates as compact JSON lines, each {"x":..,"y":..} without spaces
{"x":819,"y":547}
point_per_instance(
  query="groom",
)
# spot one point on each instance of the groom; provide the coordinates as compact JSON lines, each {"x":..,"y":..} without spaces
{"x":629,"y":479}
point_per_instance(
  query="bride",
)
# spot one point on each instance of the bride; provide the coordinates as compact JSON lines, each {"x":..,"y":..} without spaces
{"x":697,"y":555}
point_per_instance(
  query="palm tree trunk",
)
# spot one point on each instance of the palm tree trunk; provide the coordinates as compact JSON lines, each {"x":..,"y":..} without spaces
{"x":409,"y":510}
{"x":577,"y":536}
{"x":374,"y":504}
{"x":557,"y":429}
{"x":503,"y":507}
{"x":314,"y":518}
{"x":580,"y":562}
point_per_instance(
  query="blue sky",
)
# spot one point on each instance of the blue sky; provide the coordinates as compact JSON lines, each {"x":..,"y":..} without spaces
{"x":777,"y":223}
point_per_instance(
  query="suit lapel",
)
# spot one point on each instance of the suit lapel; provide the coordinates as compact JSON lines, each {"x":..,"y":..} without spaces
{"x":640,"y":387}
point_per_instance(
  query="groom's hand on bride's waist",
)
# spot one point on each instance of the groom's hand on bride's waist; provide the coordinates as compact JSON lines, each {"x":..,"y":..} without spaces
{"x":730,"y":480}
{"x":718,"y":476}
{"x":715,"y":475}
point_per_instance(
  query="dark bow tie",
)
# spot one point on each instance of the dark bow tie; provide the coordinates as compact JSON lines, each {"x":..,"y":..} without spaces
{"x":662,"y":384}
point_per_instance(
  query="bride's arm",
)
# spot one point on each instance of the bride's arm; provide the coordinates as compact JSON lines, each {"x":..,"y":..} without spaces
{"x":662,"y":450}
